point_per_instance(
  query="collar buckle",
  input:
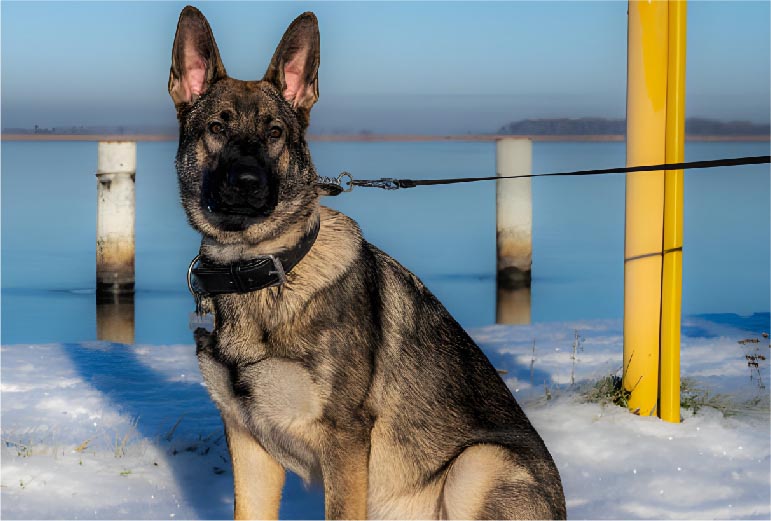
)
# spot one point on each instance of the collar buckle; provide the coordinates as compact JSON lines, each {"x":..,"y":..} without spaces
{"x":245,"y":280}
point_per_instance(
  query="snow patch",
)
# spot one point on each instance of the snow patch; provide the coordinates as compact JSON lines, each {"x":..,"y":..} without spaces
{"x":104,"y":431}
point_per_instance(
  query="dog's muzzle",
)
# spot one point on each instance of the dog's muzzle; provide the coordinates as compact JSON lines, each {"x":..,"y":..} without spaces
{"x":242,"y":187}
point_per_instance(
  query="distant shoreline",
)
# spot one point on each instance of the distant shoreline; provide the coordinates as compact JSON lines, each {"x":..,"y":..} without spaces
{"x":372,"y":138}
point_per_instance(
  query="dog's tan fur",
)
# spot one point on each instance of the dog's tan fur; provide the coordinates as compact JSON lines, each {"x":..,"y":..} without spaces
{"x":249,"y":459}
{"x":351,"y":373}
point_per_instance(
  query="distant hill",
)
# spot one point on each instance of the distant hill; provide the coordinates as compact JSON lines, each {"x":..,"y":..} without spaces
{"x":602,"y":126}
{"x":711,"y":127}
{"x":115,"y":130}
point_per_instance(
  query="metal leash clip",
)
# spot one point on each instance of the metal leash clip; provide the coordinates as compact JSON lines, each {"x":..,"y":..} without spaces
{"x":334,"y":185}
{"x":348,"y":179}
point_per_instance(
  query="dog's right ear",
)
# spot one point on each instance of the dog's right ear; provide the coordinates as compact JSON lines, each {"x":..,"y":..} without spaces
{"x":195,"y":60}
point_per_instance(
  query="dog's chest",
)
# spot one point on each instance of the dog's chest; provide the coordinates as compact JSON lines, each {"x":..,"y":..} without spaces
{"x":278,"y":392}
{"x":281,"y":403}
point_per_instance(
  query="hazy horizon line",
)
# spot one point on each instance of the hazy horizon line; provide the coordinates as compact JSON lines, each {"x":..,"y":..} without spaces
{"x":170,"y":126}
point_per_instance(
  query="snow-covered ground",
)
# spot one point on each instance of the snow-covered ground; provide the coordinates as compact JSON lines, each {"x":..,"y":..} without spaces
{"x":99,"y":430}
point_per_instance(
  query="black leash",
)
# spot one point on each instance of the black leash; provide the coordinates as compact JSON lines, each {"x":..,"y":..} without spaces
{"x":388,"y":183}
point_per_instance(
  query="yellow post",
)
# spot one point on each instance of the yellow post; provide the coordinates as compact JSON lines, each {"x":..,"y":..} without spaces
{"x":654,"y":113}
{"x":646,"y":126}
{"x":671,"y":282}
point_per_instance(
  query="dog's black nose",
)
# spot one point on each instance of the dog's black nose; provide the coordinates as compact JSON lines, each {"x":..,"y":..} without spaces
{"x":241,"y":187}
{"x":247,"y":175}
{"x":249,"y":183}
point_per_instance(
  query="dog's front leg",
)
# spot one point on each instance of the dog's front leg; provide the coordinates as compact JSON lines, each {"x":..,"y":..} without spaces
{"x":257,"y":478}
{"x":345,"y":471}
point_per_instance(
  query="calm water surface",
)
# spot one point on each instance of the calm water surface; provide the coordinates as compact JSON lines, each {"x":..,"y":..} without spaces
{"x":446,"y":235}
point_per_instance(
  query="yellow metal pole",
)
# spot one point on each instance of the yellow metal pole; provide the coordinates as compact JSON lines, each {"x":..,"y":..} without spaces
{"x":654,"y":207}
{"x":671,"y":282}
{"x":647,"y":57}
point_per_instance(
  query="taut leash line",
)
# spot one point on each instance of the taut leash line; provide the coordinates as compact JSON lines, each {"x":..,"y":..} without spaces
{"x":389,"y":183}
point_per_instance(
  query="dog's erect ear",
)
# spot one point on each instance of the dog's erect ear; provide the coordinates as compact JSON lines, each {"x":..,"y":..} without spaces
{"x":295,"y":65}
{"x":195,"y":60}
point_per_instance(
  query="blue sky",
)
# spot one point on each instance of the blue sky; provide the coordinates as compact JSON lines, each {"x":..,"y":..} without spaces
{"x":385,"y":66}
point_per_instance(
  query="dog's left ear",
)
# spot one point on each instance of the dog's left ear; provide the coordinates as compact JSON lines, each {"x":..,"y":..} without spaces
{"x":294,"y":68}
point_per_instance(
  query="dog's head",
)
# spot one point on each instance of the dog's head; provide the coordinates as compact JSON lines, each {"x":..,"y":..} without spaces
{"x":244,"y":169}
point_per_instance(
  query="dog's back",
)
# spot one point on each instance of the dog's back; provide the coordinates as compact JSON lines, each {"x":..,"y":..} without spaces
{"x":446,"y":414}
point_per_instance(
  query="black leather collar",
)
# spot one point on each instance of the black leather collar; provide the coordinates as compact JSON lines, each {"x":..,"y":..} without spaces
{"x":263,"y":271}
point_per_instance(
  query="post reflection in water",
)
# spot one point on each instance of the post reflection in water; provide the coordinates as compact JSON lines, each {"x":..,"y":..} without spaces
{"x":512,"y":306}
{"x":115,"y":317}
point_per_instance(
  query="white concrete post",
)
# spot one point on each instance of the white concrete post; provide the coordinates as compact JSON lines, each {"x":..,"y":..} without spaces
{"x":115,"y":173}
{"x":514,"y":226}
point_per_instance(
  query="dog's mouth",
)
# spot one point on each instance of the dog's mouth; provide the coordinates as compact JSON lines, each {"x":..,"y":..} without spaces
{"x":239,"y":191}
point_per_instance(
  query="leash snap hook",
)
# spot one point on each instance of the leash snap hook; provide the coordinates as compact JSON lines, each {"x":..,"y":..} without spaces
{"x":347,"y":178}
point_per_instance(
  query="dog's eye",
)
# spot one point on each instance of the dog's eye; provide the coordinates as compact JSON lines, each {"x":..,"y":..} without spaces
{"x":275,"y":132}
{"x":215,"y":127}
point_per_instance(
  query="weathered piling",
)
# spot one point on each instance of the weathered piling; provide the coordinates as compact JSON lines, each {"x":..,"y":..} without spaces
{"x":514,"y":227}
{"x":116,"y":171}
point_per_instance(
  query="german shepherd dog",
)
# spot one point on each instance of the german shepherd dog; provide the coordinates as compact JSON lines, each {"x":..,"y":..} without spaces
{"x":334,"y":362}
